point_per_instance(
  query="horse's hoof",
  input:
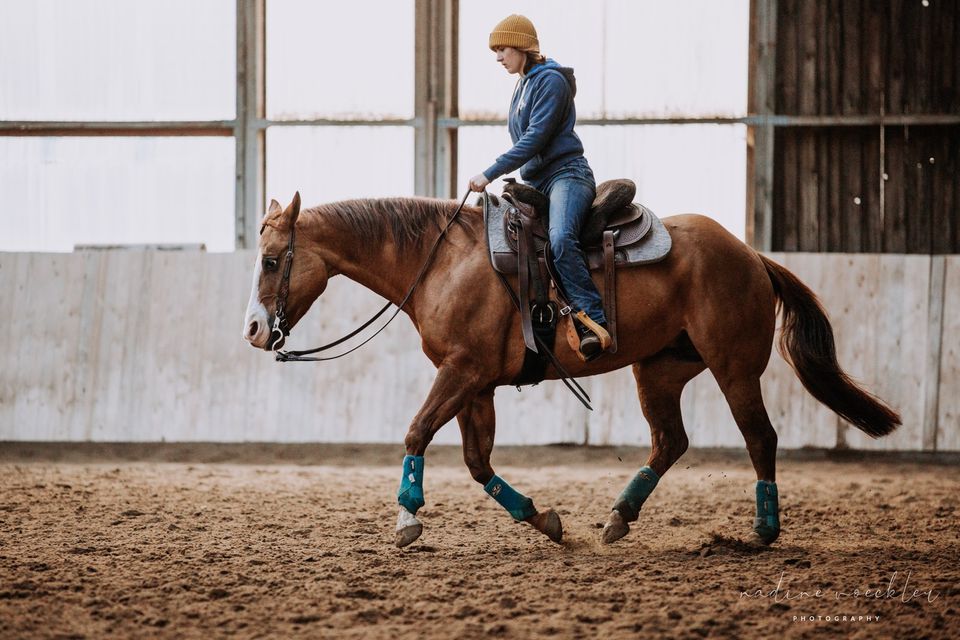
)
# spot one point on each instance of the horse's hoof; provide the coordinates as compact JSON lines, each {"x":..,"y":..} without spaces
{"x":548,"y":523}
{"x":408,"y":534}
{"x":615,"y":528}
{"x":408,"y":527}
{"x":765,"y":535}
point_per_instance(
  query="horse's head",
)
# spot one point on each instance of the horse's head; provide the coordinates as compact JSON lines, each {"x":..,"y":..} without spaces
{"x":287,"y":277}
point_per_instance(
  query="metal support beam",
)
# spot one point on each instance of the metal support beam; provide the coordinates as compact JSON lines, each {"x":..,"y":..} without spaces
{"x":340,"y":122}
{"x":436,"y":97}
{"x":249,"y":130}
{"x":760,"y":137}
{"x":202,"y":128}
{"x":754,"y":120}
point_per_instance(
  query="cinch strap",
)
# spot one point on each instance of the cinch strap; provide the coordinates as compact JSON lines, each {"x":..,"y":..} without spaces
{"x":767,"y":521}
{"x":636,"y":493}
{"x":410,"y":494}
{"x":518,"y":505}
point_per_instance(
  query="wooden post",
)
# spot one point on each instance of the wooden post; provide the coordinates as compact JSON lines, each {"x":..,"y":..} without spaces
{"x":447,"y":179}
{"x":425,"y":126}
{"x":436,"y":78}
{"x":249,"y":131}
{"x":761,"y":102}
{"x":931,"y":401}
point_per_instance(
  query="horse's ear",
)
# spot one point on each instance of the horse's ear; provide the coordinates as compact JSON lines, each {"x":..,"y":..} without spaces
{"x":273,"y":212}
{"x":294,"y":209}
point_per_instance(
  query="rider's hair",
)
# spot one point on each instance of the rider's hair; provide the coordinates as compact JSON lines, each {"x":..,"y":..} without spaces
{"x":533,"y":58}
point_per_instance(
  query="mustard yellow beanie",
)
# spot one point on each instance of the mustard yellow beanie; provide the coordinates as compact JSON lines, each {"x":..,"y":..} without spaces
{"x":515,"y":31}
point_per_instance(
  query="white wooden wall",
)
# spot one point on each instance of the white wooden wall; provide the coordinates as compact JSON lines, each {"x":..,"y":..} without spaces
{"x":146,"y":346}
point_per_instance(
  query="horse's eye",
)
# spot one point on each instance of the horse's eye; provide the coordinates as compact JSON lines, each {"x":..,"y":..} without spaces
{"x":269,"y":264}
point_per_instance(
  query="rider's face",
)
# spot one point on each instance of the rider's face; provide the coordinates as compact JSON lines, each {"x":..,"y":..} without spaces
{"x":511,"y":59}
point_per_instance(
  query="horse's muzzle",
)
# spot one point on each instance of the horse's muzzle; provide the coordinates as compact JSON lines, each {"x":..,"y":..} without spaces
{"x":257,"y":331}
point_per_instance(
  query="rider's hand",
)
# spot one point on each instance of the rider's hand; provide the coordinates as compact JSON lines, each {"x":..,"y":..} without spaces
{"x":478,"y":182}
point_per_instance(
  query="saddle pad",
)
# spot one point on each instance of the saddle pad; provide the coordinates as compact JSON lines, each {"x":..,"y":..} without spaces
{"x":653,"y":247}
{"x":633,"y":223}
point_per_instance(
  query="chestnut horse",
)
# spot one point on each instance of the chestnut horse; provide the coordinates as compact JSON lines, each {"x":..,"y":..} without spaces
{"x":711,"y":304}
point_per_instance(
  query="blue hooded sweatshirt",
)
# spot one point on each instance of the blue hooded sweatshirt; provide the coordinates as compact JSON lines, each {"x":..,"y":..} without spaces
{"x":542,"y":115}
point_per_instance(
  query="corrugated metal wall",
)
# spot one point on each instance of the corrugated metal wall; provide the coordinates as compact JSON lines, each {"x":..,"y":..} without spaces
{"x":867,"y":188}
{"x":146,"y":346}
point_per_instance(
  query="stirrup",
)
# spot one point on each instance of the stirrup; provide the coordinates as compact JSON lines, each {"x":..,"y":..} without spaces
{"x":602,"y":334}
{"x":591,"y":344}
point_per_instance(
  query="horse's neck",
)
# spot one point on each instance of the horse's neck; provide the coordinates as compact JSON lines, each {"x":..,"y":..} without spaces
{"x":385,"y":270}
{"x":381,"y":270}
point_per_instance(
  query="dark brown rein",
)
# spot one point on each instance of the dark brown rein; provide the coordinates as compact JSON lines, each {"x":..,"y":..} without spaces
{"x":280,"y":323}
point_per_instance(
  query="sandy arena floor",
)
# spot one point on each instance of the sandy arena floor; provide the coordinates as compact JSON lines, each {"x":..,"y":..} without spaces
{"x":93,"y":546}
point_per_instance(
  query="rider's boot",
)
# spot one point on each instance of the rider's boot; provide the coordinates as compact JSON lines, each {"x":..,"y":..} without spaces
{"x":594,"y":337}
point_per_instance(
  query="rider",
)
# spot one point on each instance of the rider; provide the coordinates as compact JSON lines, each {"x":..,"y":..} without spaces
{"x":550,"y":157}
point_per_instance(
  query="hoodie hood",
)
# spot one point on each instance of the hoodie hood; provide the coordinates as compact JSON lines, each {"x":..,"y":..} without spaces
{"x":567,"y":73}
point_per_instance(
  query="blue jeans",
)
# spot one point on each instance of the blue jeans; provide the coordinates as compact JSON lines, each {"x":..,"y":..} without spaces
{"x":571,"y":191}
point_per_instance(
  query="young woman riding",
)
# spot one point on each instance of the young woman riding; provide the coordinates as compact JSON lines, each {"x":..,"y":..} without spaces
{"x":550,"y":157}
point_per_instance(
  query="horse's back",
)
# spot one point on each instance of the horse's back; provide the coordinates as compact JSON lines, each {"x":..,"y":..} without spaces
{"x":729,"y":296}
{"x":703,"y":248}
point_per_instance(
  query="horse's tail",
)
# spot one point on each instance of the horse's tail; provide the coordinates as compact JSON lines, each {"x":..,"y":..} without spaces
{"x":806,"y":342}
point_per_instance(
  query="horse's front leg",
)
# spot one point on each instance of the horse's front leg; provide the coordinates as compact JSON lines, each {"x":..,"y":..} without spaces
{"x":478,"y":426}
{"x":454,"y":386}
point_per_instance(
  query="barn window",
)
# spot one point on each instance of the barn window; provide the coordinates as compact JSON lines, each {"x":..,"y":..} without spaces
{"x":337,"y":163}
{"x":62,"y":192}
{"x":99,"y":77}
{"x":348,"y":92}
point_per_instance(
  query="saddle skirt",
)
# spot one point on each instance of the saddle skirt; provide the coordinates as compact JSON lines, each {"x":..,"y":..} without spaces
{"x":640,"y":237}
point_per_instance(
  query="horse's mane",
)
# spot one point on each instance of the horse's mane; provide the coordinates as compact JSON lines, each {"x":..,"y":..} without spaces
{"x":406,"y":220}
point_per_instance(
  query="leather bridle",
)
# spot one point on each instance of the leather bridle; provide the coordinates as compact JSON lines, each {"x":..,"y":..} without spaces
{"x":281,"y":328}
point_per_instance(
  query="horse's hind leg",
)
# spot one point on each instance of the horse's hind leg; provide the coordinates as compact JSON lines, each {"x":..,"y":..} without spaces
{"x":477,"y":426}
{"x":660,"y":381}
{"x":746,"y":402}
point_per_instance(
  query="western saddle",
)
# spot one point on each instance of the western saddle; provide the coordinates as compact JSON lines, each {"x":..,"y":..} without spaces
{"x":617,"y":233}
